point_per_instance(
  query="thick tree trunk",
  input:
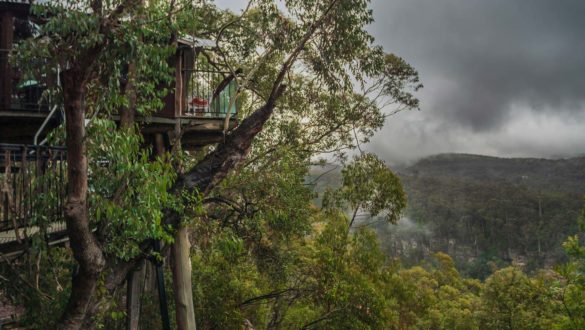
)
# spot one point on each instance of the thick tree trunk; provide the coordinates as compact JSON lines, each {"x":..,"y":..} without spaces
{"x":115,"y":275}
{"x":84,"y":245}
{"x":202,"y":178}
{"x":216,"y":165}
{"x":207,"y":173}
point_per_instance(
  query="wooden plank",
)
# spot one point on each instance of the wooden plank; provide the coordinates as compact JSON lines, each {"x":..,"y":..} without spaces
{"x":7,"y":113}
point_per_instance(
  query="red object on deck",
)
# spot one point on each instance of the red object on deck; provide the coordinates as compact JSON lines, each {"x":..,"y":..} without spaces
{"x":199,"y":102}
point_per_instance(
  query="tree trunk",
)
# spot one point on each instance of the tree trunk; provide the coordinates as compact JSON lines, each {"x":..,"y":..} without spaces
{"x":216,"y":165}
{"x":86,"y":250}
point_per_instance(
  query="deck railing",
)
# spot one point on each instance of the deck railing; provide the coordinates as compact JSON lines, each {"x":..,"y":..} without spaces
{"x":32,"y":188}
{"x":209,"y":92}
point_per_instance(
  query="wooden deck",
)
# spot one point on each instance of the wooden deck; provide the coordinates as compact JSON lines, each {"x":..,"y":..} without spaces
{"x":194,"y":132}
{"x":12,"y":246}
{"x":20,"y":127}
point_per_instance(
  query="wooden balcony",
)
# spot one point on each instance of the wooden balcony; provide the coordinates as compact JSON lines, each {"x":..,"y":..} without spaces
{"x":202,"y":101}
{"x":200,"y":108}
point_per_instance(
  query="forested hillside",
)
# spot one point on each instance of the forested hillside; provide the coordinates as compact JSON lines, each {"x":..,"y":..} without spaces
{"x":566,"y":175}
{"x":483,"y":211}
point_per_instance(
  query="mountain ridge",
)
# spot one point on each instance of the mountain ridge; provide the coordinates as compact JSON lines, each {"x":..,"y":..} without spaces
{"x":566,"y":174}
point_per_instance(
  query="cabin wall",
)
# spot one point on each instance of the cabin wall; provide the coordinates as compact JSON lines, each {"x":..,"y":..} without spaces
{"x":175,"y":102}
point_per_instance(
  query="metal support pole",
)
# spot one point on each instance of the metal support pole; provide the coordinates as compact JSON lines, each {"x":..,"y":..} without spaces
{"x":162,"y":294}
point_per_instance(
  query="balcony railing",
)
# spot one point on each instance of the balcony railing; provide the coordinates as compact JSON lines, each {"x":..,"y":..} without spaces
{"x":32,"y":189}
{"x":209,"y":92}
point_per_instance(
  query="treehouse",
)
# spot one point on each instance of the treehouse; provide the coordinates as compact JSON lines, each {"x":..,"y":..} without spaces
{"x":199,"y":109}
{"x":202,"y":103}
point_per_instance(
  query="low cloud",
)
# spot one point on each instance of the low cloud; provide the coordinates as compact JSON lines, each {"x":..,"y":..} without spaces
{"x":501,"y":77}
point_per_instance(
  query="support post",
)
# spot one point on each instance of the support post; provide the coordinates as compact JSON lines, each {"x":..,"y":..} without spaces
{"x":181,"y":267}
{"x":134,"y":294}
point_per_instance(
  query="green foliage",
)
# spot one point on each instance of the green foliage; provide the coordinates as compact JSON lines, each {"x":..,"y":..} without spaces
{"x":574,"y":271}
{"x":485,"y":264}
{"x":129,"y":190}
{"x":512,"y":300}
{"x":369,"y":185}
{"x":336,"y":280}
{"x":223,"y":276}
{"x":40,"y":283}
{"x":331,"y":276}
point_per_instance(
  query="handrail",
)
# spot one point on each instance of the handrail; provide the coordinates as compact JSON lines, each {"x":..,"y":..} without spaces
{"x":27,"y":2}
{"x":14,"y":146}
{"x":45,"y":122}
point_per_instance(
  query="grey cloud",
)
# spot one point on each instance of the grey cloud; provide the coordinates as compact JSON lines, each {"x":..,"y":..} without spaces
{"x":495,"y":53}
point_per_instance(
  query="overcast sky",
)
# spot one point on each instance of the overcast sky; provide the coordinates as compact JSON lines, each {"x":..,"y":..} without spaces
{"x":502,"y":77}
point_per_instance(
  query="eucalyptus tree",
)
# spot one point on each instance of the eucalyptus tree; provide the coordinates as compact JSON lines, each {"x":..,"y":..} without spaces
{"x":368,"y":185}
{"x":310,"y":66}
